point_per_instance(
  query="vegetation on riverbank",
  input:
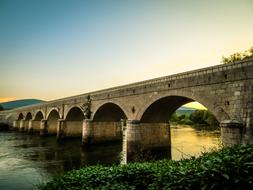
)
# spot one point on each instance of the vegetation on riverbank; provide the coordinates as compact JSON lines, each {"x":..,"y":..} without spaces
{"x":199,"y":119}
{"x":229,"y":168}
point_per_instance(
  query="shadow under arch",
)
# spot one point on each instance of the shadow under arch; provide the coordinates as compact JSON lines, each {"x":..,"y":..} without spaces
{"x":109,"y":112}
{"x":36,"y":123}
{"x":52,"y":122}
{"x":28,"y":116}
{"x":106,"y":124}
{"x":20,"y":116}
{"x":74,"y":122}
{"x":161,"y":108}
{"x":39,"y":116}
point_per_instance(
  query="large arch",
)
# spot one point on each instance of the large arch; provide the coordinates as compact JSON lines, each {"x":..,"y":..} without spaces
{"x":52,"y":122}
{"x":152,"y":128}
{"x":37,"y":121}
{"x":161,"y":110}
{"x":74,"y":122}
{"x":173,"y":101}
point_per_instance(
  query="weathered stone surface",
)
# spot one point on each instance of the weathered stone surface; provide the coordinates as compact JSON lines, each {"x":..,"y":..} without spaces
{"x":226,"y":90}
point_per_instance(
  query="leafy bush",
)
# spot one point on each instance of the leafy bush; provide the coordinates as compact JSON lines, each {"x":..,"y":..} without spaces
{"x":229,"y":168}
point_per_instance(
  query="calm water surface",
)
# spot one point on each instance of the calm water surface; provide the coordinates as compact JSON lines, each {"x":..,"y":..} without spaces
{"x":29,"y":160}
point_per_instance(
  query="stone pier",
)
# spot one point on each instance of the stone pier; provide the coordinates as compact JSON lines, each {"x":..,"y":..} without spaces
{"x":231,"y":132}
{"x":22,"y":125}
{"x":100,"y":132}
{"x":61,"y":125}
{"x":43,"y":127}
{"x":30,"y":126}
{"x":146,"y":137}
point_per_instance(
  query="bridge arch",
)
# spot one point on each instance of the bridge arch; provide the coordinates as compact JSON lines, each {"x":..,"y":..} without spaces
{"x":36,"y":123}
{"x":52,"y":121}
{"x":28,"y":116}
{"x":109,"y":111}
{"x":20,"y":116}
{"x":163,"y":105}
{"x":74,"y":122}
{"x":38,"y":116}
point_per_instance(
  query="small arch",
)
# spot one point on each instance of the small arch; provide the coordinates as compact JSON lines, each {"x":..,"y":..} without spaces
{"x":28,"y":116}
{"x":39,"y":116}
{"x":20,"y":116}
{"x":52,"y":121}
{"x":109,"y":112}
{"x":74,"y":122}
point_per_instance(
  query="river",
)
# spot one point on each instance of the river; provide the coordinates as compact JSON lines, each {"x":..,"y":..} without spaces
{"x":26,"y":160}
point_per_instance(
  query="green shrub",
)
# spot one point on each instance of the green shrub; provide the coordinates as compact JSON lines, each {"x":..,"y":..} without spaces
{"x":229,"y":168}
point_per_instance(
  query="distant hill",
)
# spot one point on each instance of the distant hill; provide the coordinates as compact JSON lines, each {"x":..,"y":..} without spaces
{"x":19,"y":103}
{"x":185,"y":110}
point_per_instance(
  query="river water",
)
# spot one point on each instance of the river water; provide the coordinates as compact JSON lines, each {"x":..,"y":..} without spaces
{"x":26,"y":160}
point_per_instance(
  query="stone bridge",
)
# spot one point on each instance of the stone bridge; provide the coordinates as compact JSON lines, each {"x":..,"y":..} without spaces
{"x":140,"y":111}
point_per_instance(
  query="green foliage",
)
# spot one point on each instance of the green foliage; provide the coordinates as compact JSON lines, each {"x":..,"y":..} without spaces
{"x":230,"y":168}
{"x":204,"y":117}
{"x":198,"y":117}
{"x":238,"y":56}
{"x":1,"y":108}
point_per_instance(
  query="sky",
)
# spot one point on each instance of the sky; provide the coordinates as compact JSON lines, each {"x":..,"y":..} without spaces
{"x":50,"y":49}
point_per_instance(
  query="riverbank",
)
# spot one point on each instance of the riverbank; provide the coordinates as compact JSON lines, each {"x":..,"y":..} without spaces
{"x":228,"y":168}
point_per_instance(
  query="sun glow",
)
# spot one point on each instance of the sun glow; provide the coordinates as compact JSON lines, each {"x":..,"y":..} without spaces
{"x":195,"y":105}
{"x":6,"y":99}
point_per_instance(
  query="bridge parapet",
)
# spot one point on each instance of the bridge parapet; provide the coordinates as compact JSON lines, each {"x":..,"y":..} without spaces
{"x":241,"y":70}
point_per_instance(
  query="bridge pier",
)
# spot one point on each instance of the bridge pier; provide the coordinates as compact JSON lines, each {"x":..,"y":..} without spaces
{"x":15,"y":124}
{"x":100,"y":132}
{"x":36,"y":126}
{"x":61,"y":125}
{"x":142,"y":139}
{"x":30,"y":126}
{"x":231,"y":132}
{"x":43,"y":127}
{"x":22,"y":125}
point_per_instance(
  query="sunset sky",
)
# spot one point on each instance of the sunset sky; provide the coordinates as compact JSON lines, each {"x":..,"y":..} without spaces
{"x":51,"y":49}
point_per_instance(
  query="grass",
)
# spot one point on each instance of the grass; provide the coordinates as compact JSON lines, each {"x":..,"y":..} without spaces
{"x":228,"y":168}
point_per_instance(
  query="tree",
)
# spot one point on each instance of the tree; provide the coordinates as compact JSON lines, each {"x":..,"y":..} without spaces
{"x":1,"y":108}
{"x":237,"y":56}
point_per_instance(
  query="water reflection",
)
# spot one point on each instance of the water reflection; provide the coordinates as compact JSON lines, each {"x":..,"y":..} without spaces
{"x":27,"y":160}
{"x":187,"y":142}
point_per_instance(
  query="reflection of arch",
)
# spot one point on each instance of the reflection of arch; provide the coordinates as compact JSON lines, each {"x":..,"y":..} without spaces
{"x":20,"y":116}
{"x":109,"y":112}
{"x":74,"y":113}
{"x":28,"y":116}
{"x":168,"y":103}
{"x":52,"y":121}
{"x":39,"y":116}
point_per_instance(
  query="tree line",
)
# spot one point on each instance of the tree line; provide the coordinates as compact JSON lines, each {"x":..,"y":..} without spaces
{"x":198,"y":118}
